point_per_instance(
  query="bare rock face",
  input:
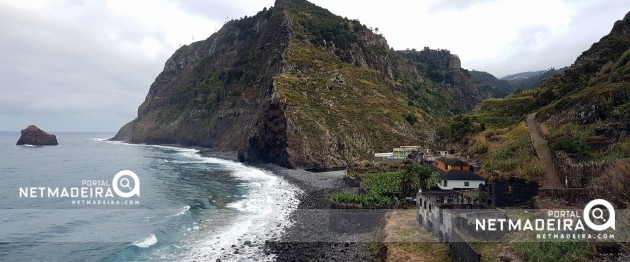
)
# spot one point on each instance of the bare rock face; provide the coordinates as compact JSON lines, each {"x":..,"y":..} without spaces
{"x":455,"y":63}
{"x":32,"y":135}
{"x":298,"y":86}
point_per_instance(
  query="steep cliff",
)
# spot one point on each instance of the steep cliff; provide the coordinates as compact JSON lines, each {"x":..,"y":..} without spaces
{"x":218,"y":92}
{"x":301,"y":87}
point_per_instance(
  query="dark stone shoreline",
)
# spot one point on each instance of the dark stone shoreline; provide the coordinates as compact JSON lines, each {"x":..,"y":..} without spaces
{"x":311,"y":216}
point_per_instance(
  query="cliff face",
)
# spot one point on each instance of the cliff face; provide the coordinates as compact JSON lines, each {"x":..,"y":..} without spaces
{"x":218,"y":92}
{"x":301,"y":87}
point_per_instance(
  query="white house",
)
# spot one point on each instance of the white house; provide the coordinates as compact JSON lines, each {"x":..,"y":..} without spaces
{"x":456,"y":174}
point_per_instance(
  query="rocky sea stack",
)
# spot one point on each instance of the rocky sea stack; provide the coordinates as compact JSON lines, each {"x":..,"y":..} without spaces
{"x":32,"y":135}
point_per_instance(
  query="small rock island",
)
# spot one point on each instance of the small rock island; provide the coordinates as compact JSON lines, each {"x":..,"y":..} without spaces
{"x":32,"y":135}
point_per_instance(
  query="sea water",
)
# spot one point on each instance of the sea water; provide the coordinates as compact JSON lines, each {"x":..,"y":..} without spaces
{"x":188,"y":207}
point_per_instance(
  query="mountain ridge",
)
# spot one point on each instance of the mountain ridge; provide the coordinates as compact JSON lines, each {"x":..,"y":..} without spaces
{"x":299,"y":86}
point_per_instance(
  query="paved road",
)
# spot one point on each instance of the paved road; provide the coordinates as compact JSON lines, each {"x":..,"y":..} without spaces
{"x":551,"y":180}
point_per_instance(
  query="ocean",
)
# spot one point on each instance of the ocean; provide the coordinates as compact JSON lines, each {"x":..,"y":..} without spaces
{"x":187,"y":207}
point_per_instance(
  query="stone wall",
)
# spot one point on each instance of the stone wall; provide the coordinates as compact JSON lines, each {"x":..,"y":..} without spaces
{"x":580,"y":175}
{"x":462,"y":250}
{"x":440,"y":214}
{"x":514,"y":192}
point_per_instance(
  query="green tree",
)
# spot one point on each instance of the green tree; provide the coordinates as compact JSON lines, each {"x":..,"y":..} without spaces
{"x":417,"y":176}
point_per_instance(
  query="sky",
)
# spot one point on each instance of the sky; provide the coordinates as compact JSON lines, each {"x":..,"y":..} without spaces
{"x":83,"y":65}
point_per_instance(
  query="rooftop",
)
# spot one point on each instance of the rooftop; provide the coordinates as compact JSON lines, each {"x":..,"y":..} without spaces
{"x":458,"y":175}
{"x":452,"y":161}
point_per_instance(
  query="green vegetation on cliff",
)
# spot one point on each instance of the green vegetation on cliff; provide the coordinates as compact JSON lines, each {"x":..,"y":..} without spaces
{"x":529,"y":80}
{"x":583,"y":112}
{"x":299,"y":86}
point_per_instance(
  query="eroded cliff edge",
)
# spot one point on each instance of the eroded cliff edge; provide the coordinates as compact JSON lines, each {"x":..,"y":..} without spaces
{"x":218,"y":92}
{"x":301,"y":87}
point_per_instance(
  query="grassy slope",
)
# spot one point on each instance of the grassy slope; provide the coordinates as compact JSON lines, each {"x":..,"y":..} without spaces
{"x":365,"y":103}
{"x":385,"y":98}
{"x":332,"y":99}
{"x":507,"y":150}
{"x":582,"y":112}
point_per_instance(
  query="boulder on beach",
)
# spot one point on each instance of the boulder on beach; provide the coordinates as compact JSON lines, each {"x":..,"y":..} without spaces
{"x":32,"y":135}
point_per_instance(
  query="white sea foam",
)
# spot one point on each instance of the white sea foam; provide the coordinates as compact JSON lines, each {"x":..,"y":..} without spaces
{"x":106,"y":140}
{"x":263,"y":213}
{"x":182,"y":211}
{"x":146,"y":242}
{"x":185,"y":162}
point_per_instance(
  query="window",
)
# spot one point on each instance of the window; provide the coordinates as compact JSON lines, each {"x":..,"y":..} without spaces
{"x":444,"y":183}
{"x":466,"y":183}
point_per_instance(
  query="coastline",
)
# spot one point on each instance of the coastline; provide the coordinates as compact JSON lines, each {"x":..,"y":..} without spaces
{"x":303,"y":239}
{"x":310,"y":237}
{"x":208,"y":152}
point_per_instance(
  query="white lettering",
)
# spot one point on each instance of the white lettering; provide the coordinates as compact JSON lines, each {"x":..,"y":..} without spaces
{"x":23,"y":192}
{"x":551,"y":223}
{"x":568,"y":224}
{"x":74,"y":192}
{"x":480,"y":224}
{"x":579,"y":225}
{"x":109,"y":192}
{"x":492,"y":224}
{"x":501,"y":221}
{"x":514,"y":225}
{"x":64,"y":192}
{"x":53,"y":192}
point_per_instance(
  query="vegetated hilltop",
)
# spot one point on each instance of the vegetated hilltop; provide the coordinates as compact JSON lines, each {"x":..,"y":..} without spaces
{"x":527,"y":80}
{"x":301,"y":87}
{"x":584,"y":112}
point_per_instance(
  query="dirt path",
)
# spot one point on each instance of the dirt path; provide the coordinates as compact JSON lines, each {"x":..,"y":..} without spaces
{"x":551,"y":180}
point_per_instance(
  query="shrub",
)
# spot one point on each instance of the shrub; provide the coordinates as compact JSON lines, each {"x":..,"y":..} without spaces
{"x":571,"y":139}
{"x":510,"y":151}
{"x":412,"y":119}
{"x":362,"y":200}
{"x":384,"y":184}
{"x":551,"y":251}
{"x":479,"y":146}
{"x":381,"y":186}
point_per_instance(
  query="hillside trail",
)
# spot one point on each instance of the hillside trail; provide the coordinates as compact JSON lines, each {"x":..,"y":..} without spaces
{"x":551,"y":180}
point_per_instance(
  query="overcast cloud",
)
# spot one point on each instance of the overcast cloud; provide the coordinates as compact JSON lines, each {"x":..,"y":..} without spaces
{"x":87,"y":65}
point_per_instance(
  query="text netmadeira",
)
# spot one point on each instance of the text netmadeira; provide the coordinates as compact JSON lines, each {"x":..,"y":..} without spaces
{"x":66,"y":192}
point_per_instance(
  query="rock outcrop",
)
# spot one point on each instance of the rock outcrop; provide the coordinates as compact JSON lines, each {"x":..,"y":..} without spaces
{"x":301,"y":87}
{"x":32,"y":135}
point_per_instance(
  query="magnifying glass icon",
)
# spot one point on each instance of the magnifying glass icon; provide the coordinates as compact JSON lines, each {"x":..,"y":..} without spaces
{"x":601,"y":214}
{"x":124,"y":182}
